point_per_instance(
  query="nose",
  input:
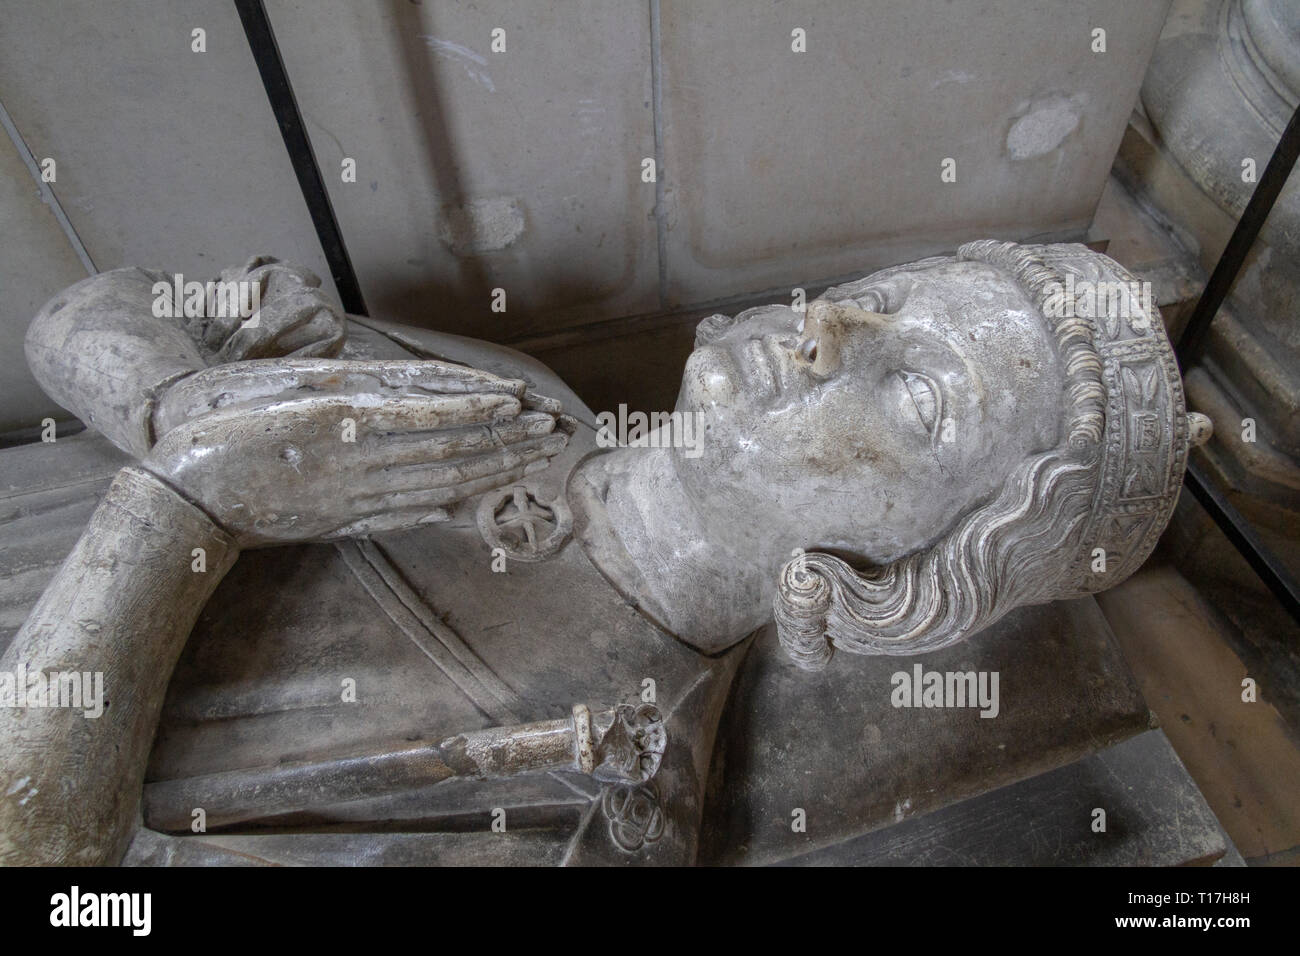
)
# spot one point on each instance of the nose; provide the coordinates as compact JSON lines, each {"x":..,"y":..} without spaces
{"x":826,"y":326}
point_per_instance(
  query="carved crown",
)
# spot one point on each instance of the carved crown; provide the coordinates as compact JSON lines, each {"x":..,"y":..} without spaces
{"x":1116,"y":338}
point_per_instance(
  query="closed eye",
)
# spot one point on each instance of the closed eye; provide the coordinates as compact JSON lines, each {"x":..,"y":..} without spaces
{"x":885,"y":296}
{"x":926,"y":398}
{"x":874,"y":300}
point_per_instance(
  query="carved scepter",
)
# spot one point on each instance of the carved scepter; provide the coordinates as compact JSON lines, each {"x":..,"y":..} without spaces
{"x":623,"y":745}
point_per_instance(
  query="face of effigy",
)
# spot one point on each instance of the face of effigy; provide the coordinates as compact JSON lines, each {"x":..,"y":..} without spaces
{"x":871,"y":424}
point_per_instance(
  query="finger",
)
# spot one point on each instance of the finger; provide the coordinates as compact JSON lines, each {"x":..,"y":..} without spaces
{"x":405,"y":376}
{"x":326,"y":344}
{"x":414,"y":448}
{"x":279,"y":316}
{"x":456,"y":471}
{"x":276,"y":277}
{"x":322,"y":336}
{"x":216,"y":330}
{"x":541,"y":403}
{"x":421,"y":412}
{"x":242,"y":383}
{"x":442,"y":497}
{"x":430,"y":375}
{"x":321,"y":422}
{"x":411,"y":413}
{"x":248,"y":382}
{"x":274,"y":280}
{"x":400,"y":520}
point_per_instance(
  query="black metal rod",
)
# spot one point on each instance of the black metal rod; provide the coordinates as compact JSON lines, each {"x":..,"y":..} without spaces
{"x":266,"y":53}
{"x":1233,"y":523}
{"x":1243,"y":236}
{"x":1243,"y":537}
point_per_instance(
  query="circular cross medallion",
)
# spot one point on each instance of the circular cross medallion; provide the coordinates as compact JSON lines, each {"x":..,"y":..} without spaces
{"x":513,"y":520}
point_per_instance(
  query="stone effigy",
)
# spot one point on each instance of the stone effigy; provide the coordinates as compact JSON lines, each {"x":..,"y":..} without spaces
{"x":507,"y":619}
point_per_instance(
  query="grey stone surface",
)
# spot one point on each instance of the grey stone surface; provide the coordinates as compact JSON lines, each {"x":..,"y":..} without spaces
{"x":1232,"y":67}
{"x":37,"y":262}
{"x":1238,"y":62}
{"x":834,"y":745}
{"x":164,"y":154}
{"x":479,"y":170}
{"x":966,"y":436}
{"x":533,"y":847}
{"x":782,"y":167}
{"x":1155,"y":816}
{"x":1223,"y":83}
{"x":48,"y":492}
{"x":521,"y":170}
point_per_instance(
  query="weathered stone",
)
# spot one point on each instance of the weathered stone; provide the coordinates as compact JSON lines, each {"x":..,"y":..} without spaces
{"x":1155,"y":816}
{"x":964,"y":430}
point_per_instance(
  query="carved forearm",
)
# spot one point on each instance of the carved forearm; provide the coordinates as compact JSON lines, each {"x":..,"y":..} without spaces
{"x":122,"y":605}
{"x":98,"y":351}
{"x":109,"y":347}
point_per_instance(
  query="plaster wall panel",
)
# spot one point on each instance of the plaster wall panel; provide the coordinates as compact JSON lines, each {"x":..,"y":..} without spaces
{"x":36,"y":261}
{"x":478,"y":170}
{"x":783,"y":168}
{"x":166,"y":157}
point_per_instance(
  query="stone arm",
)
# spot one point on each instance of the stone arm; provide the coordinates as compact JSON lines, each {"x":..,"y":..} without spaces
{"x":328,"y":449}
{"x":255,"y":454}
{"x":108,"y":348}
{"x":121,"y":606}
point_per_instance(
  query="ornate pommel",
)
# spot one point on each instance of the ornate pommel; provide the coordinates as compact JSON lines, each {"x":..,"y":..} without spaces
{"x":631,"y":746}
{"x":1069,"y":521}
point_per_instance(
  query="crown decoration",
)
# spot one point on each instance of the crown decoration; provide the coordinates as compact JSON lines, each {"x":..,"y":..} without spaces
{"x":1099,"y":501}
{"x":1144,"y":446}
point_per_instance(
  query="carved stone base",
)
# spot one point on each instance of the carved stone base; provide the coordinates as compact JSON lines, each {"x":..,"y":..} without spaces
{"x":833,"y":745}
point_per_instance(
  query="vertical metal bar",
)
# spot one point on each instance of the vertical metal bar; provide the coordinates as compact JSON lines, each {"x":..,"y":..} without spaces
{"x":1244,"y":538}
{"x":1234,"y":525}
{"x":657,"y":103}
{"x":1252,"y":219}
{"x":266,"y":53}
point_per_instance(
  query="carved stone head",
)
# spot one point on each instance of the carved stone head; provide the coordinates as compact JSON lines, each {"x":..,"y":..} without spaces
{"x":948,"y":440}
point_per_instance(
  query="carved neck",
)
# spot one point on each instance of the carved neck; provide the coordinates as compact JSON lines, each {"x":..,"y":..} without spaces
{"x":709,"y":594}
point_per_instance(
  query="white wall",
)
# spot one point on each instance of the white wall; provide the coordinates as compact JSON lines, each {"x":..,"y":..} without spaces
{"x":776,"y":168}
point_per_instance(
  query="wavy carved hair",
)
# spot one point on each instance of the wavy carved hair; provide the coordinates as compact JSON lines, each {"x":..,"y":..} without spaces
{"x":1007,"y":553}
